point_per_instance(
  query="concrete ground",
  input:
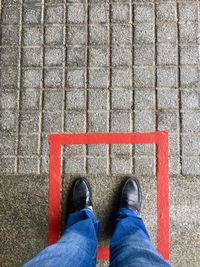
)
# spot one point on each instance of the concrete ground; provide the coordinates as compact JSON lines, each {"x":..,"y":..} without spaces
{"x":98,"y":66}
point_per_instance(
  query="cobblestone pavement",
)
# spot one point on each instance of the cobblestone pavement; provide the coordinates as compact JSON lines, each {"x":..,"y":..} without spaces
{"x":98,"y":66}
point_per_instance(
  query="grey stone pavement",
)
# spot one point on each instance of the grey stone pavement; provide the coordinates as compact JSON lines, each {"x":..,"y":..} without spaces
{"x":98,"y":66}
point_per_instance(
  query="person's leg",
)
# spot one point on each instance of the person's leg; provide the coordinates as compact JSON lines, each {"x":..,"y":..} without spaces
{"x":78,"y":245}
{"x":130,"y":245}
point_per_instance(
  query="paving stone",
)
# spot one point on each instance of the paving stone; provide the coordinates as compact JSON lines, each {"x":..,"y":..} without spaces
{"x":121,"y":78}
{"x":9,"y":56}
{"x":44,"y":145}
{"x":29,"y":32}
{"x":121,"y":150}
{"x":98,"y":34}
{"x":74,"y":150}
{"x":144,"y":121}
{"x":189,"y":77}
{"x":98,"y":13}
{"x":120,"y":121}
{"x":167,"y":77}
{"x":121,"y":99}
{"x":167,"y":33}
{"x":31,"y":78}
{"x":30,"y":100}
{"x":167,"y":99}
{"x":189,"y":55}
{"x":10,"y":15}
{"x":53,"y":78}
{"x":53,"y":57}
{"x":54,"y":35}
{"x":76,"y":56}
{"x":31,"y":57}
{"x":144,"y":165}
{"x":191,"y":121}
{"x":8,"y":100}
{"x":191,"y":165}
{"x":31,"y":15}
{"x":29,"y":122}
{"x":98,"y":99}
{"x":190,"y":99}
{"x":144,"y":55}
{"x":76,"y":13}
{"x":121,"y":166}
{"x":167,"y":54}
{"x":76,"y":99}
{"x":144,"y":77}
{"x":174,"y":144}
{"x":7,"y":165}
{"x":97,"y":166}
{"x":120,"y":13}
{"x":74,"y":165}
{"x":28,"y":145}
{"x":75,"y":121}
{"x":54,"y":14}
{"x":98,"y":57}
{"x":98,"y":150}
{"x":166,"y":12}
{"x":179,"y":222}
{"x":9,"y":35}
{"x":98,"y":78}
{"x":76,"y":35}
{"x":98,"y":121}
{"x":9,"y":78}
{"x":8,"y":120}
{"x":121,"y":56}
{"x":28,"y":165}
{"x":143,"y":13}
{"x":10,"y":2}
{"x":121,"y":34}
{"x":53,"y":99}
{"x":168,"y":121}
{"x":174,"y":166}
{"x":44,"y":165}
{"x":188,"y":11}
{"x":75,"y":78}
{"x":144,"y":99}
{"x":32,"y":1}
{"x":144,"y":150}
{"x":188,"y":32}
{"x":7,"y":143}
{"x":190,"y":145}
{"x":52,"y":122}
{"x":144,"y":33}
{"x":55,"y":1}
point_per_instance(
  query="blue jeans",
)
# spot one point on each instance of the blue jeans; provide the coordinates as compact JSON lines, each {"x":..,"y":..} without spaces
{"x":130,"y":244}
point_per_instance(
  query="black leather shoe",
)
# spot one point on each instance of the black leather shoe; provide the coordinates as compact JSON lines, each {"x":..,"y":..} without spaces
{"x":131,"y":196}
{"x":81,"y":195}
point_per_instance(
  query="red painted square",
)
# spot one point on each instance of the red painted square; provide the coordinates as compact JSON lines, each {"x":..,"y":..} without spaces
{"x":160,"y":139}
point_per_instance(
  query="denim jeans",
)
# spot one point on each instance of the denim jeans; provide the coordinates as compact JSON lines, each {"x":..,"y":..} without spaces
{"x":130,"y":244}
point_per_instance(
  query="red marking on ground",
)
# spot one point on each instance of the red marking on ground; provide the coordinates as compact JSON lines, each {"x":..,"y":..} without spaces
{"x":160,"y":139}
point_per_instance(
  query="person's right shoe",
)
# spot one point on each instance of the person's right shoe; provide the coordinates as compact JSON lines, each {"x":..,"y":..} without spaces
{"x":131,"y":196}
{"x":81,"y":195}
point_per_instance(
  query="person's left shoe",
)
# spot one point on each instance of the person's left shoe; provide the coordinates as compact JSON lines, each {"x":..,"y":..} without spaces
{"x":81,"y":195}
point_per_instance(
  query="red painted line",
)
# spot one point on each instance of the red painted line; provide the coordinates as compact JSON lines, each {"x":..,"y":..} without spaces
{"x":54,"y":193}
{"x":103,"y":253}
{"x":158,"y":138}
{"x":105,"y":138}
{"x":162,"y":197}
